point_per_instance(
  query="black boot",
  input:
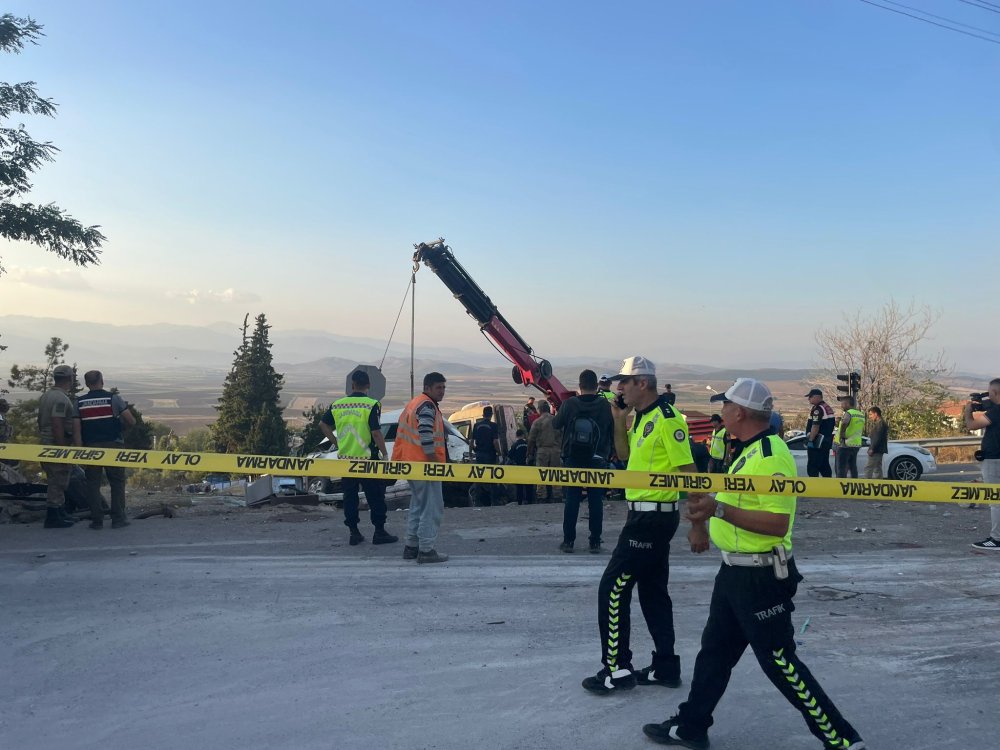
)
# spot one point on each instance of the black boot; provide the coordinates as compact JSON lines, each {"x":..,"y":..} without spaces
{"x":381,"y":536}
{"x":65,"y":515}
{"x":54,"y":520}
{"x":356,"y":536}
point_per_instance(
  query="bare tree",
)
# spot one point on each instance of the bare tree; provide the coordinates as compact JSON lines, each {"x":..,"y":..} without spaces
{"x":896,"y":374}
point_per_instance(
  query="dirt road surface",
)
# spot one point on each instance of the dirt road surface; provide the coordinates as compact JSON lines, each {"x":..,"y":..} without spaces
{"x":233,"y":628}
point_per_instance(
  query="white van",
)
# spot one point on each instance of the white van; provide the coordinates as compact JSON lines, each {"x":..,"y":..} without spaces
{"x":503,"y":415}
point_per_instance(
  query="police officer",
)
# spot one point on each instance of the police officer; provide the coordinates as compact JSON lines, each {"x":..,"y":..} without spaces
{"x":604,"y":388}
{"x":103,"y":414}
{"x":359,"y":435}
{"x":752,"y":599}
{"x":717,"y":446}
{"x":58,"y":424}
{"x":656,"y":442}
{"x":819,"y":433}
{"x":852,"y":427}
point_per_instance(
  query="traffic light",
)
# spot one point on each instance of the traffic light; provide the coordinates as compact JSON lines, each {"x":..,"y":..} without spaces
{"x":855,"y":384}
{"x":845,"y":389}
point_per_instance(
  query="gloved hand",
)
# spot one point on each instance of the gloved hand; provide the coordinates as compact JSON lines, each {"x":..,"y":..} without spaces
{"x":810,"y":444}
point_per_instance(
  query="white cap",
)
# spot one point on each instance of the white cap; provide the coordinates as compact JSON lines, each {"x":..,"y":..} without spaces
{"x":635,"y":366}
{"x":605,"y":378}
{"x":749,"y":393}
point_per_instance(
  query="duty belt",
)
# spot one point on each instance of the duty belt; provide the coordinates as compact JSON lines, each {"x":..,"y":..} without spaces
{"x":652,"y":506}
{"x":743,"y":560}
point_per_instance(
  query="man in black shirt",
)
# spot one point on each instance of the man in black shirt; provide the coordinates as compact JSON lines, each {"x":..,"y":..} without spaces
{"x":819,"y":432}
{"x":486,"y":448}
{"x":989,"y":422}
{"x":669,"y":395}
{"x":587,"y":432}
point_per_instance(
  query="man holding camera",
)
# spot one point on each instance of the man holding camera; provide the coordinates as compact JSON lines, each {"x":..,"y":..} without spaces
{"x":982,"y":413}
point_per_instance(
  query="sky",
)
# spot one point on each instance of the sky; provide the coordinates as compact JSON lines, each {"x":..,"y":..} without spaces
{"x":699,"y":182}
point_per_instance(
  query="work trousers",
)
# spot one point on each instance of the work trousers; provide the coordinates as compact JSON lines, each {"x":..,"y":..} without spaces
{"x":426,"y":512}
{"x":57,"y":477}
{"x":572,"y":496}
{"x":548,"y":457}
{"x":873,"y":469}
{"x":641,"y":557}
{"x":818,"y":462}
{"x":374,"y":494}
{"x":847,"y":462}
{"x":525,"y":494}
{"x":750,"y":607}
{"x":488,"y":493}
{"x":991,"y":475}
{"x":116,"y":481}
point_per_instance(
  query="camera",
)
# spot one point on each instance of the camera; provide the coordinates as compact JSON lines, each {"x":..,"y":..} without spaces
{"x":980,"y":401}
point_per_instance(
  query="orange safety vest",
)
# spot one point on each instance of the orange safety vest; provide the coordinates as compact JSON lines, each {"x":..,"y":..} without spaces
{"x":407,"y":446}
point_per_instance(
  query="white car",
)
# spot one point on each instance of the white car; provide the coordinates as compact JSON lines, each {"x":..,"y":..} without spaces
{"x":458,"y":452}
{"x":903,"y":461}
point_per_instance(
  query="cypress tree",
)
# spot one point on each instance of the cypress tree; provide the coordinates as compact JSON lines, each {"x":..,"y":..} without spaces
{"x":249,"y":409}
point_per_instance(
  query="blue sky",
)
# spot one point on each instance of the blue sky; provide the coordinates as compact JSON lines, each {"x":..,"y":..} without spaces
{"x":695,"y":181}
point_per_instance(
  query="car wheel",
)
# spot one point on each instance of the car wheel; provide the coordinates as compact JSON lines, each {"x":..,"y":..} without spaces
{"x":320,"y":486}
{"x":906,"y":469}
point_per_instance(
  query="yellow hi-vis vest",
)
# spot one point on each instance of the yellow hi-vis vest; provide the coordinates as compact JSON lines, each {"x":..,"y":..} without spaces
{"x":350,"y":416}
{"x":767,"y":457}
{"x":717,"y":448}
{"x":658,"y":442}
{"x":855,"y":429}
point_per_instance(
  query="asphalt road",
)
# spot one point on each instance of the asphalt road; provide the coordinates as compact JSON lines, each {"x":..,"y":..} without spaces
{"x":263,"y":629}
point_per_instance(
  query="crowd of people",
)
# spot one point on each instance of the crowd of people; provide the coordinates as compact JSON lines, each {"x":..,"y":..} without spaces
{"x":95,"y":419}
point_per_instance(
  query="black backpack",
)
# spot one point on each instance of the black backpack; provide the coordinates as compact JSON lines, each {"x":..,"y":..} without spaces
{"x":584,"y":435}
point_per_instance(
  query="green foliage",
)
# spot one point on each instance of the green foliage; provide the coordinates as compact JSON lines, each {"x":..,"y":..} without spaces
{"x":196,"y":441}
{"x":38,"y":378}
{"x":142,"y":434}
{"x":45,"y":225}
{"x":23,"y":419}
{"x":920,"y":415}
{"x":311,"y":434}
{"x":250,"y":410}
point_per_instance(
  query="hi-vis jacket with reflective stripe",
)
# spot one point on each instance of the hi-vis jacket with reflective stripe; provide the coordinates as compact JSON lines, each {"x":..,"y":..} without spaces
{"x":717,"y":448}
{"x":351,"y":415}
{"x":854,"y":429}
{"x":407,"y":446}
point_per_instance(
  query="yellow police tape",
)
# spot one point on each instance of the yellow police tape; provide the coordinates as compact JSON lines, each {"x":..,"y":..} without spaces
{"x":239,"y":463}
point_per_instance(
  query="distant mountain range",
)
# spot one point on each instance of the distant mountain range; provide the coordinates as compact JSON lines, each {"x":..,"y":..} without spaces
{"x":304,"y":355}
{"x":127,"y":348}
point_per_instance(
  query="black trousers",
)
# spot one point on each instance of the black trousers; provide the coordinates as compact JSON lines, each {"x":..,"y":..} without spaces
{"x":375,"y":494}
{"x":641,"y":558}
{"x":818,"y":462}
{"x":750,"y":607}
{"x":847,"y":462}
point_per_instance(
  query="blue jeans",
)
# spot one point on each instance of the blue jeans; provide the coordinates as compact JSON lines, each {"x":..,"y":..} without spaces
{"x":595,"y":499}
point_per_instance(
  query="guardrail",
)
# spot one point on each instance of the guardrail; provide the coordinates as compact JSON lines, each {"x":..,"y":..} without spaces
{"x":943,"y":442}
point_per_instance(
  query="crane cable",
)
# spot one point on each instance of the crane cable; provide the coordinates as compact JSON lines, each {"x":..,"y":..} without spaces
{"x":410,"y":283}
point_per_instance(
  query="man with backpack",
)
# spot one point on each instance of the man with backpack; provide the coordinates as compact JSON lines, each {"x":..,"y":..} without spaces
{"x":587,"y":432}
